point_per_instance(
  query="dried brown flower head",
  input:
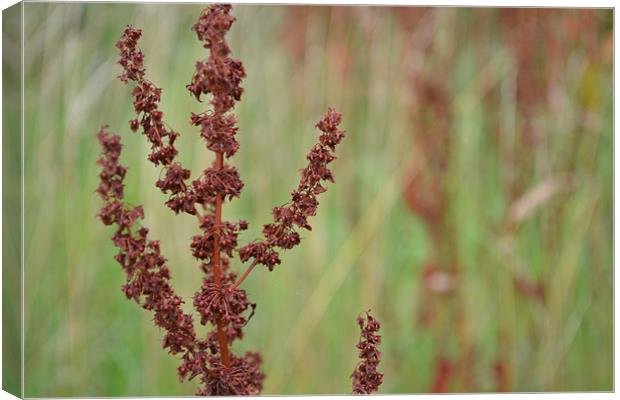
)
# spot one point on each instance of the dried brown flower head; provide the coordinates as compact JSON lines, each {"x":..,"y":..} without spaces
{"x":366,"y":378}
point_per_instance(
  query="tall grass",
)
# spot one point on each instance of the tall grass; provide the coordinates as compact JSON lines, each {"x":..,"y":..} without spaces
{"x":367,"y":250}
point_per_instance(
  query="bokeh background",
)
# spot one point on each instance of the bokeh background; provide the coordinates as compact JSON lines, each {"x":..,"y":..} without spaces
{"x":472,"y":210}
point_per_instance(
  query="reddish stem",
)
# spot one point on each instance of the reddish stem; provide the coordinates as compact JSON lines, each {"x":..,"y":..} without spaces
{"x":245,"y":275}
{"x":217,"y":268}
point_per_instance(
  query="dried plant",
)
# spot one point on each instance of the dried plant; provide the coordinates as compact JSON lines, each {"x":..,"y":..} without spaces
{"x":219,"y":302}
{"x":366,"y":378}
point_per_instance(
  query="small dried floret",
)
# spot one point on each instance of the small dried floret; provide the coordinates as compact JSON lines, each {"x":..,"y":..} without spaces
{"x":241,"y":378}
{"x":219,"y":131}
{"x":132,"y":58}
{"x":221,"y":304}
{"x":174,"y":180}
{"x":224,"y":181}
{"x":219,"y":75}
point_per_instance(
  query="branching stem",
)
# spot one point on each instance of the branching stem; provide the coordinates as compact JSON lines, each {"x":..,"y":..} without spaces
{"x":217,"y":268}
{"x":245,"y":275}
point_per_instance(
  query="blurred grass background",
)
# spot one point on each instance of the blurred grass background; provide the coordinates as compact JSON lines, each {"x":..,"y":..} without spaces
{"x":472,"y":210}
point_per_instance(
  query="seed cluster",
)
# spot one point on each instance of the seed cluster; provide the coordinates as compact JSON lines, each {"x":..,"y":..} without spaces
{"x":281,"y":234}
{"x":147,"y":274}
{"x":366,"y":379}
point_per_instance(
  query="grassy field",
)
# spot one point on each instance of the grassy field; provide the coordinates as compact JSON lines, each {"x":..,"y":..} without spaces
{"x":524,"y":234}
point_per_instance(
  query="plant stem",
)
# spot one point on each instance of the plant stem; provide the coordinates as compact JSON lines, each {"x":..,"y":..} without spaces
{"x":217,"y":269}
{"x":245,"y":275}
